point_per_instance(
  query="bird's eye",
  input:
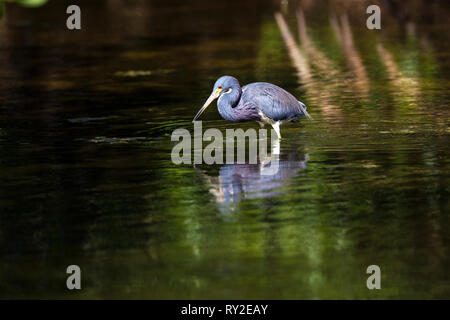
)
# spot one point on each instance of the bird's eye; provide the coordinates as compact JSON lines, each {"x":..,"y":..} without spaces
{"x":219,"y":87}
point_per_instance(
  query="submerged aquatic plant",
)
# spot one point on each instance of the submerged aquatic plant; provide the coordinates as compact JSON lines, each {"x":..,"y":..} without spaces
{"x":24,"y":3}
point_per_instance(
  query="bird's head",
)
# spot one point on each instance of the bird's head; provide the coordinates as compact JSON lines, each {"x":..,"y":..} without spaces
{"x":223,"y":85}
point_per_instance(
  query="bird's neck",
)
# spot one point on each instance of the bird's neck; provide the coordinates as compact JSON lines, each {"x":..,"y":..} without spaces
{"x":227,"y":102}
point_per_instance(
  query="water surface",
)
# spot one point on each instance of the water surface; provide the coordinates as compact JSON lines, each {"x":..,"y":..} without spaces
{"x":86,"y":175}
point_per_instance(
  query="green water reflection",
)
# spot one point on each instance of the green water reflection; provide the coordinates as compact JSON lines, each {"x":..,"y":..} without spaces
{"x":86,"y":175}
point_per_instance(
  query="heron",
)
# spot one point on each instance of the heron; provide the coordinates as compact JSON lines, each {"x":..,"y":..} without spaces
{"x":263,"y":102}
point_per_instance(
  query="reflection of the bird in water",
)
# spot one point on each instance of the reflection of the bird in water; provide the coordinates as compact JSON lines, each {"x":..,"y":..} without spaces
{"x":236,"y":182}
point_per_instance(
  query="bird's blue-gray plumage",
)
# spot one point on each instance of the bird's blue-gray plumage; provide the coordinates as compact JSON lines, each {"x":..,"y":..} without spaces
{"x":274,"y":102}
{"x":244,"y":104}
{"x":259,"y":101}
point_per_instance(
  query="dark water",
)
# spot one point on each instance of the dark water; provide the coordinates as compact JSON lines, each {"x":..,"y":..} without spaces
{"x":86,"y":176}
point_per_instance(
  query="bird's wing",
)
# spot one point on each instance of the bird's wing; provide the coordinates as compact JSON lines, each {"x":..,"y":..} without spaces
{"x":275,"y":102}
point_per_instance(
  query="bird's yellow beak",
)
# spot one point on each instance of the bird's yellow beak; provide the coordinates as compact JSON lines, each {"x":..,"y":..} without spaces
{"x":211,"y":98}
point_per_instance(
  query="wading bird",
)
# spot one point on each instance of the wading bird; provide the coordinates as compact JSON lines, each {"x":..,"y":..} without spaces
{"x":260,"y":101}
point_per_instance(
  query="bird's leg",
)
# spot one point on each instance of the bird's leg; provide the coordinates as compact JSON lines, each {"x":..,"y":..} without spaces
{"x":276,"y":127}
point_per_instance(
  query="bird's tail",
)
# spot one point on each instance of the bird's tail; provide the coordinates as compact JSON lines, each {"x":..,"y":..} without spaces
{"x":303,"y":110}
